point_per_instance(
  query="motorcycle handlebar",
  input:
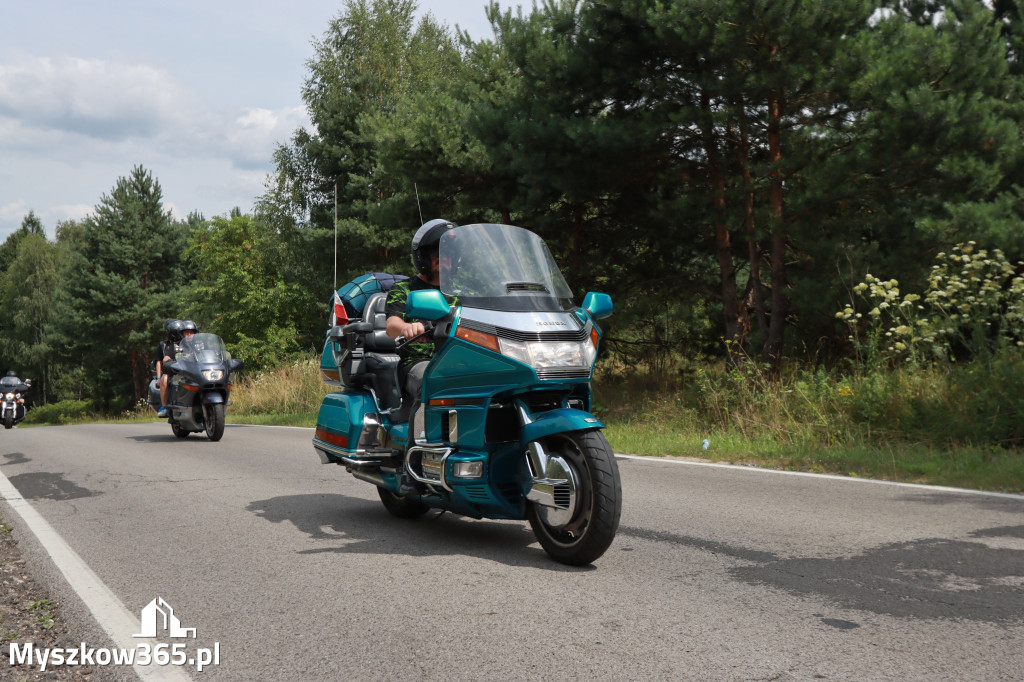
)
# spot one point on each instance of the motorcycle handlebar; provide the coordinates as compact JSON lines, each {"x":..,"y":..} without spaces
{"x":401,"y":341}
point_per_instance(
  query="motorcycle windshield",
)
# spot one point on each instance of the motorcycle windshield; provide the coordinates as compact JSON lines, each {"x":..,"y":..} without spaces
{"x":204,"y":349}
{"x":501,"y":267}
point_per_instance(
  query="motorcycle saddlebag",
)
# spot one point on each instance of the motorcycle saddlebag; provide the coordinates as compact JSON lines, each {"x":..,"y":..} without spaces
{"x":347,"y":423}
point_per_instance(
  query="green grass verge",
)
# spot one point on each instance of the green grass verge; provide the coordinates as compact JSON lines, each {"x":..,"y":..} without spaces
{"x":961,"y":428}
{"x":978,"y":468}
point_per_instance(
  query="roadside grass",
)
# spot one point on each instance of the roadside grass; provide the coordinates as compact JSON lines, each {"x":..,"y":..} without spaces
{"x":961,"y":427}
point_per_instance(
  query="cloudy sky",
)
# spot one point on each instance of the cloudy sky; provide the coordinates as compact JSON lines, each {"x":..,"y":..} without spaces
{"x":196,"y":91}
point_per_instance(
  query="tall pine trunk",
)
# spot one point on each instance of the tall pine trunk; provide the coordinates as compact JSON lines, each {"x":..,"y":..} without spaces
{"x":772,"y":353}
{"x":731,"y":314}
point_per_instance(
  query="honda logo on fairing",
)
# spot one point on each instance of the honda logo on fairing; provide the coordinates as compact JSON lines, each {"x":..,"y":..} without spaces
{"x":551,"y":324}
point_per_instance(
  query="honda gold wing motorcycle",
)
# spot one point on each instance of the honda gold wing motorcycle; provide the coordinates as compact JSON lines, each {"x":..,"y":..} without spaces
{"x":201,"y":377}
{"x":502,"y":427}
{"x":12,"y":400}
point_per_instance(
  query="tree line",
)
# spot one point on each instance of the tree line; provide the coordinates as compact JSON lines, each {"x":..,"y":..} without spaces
{"x":727,"y":170}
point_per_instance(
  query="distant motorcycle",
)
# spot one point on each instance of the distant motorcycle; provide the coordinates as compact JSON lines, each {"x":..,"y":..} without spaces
{"x":12,"y":392}
{"x":201,"y":376}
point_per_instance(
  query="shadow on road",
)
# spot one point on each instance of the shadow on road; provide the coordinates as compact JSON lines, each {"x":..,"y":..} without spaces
{"x":928,"y":578}
{"x":45,"y":485}
{"x":352,"y":525}
{"x":169,"y":437}
{"x":15,"y":458}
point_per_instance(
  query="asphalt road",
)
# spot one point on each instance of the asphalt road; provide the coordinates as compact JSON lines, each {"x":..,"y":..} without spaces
{"x":293,"y":570}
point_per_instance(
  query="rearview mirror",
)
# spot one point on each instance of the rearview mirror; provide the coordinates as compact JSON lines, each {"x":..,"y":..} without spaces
{"x":427,"y":304}
{"x":598,"y":305}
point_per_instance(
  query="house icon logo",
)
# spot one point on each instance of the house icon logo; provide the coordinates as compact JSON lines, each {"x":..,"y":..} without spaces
{"x":158,"y":615}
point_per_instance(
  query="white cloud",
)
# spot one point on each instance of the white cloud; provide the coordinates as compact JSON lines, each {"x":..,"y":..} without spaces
{"x":98,"y":108}
{"x":13,"y":211}
{"x":93,"y":98}
{"x":252,"y":136}
{"x":12,"y":214}
{"x":56,"y":214}
{"x":201,"y":101}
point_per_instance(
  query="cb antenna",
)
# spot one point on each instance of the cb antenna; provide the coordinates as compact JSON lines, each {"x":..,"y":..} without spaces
{"x":335,"y":235}
{"x":418,"y":201}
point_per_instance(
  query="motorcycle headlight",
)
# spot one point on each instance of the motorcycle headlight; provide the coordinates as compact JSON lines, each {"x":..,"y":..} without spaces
{"x":9,"y":396}
{"x":213,"y":374}
{"x":550,"y":354}
{"x":541,"y":355}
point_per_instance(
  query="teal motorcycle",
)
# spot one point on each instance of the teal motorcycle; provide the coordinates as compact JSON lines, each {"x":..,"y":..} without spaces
{"x":502,"y":427}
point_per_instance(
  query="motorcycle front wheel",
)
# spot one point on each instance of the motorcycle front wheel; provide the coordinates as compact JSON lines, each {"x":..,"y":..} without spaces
{"x":8,"y":421}
{"x":595,"y":517}
{"x":213,"y":418}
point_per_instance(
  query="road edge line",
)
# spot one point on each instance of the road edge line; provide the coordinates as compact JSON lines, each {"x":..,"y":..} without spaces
{"x":102,"y":603}
{"x":836,"y":477}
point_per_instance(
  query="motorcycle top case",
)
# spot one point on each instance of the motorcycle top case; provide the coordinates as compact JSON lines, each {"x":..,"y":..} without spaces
{"x":354,"y":294}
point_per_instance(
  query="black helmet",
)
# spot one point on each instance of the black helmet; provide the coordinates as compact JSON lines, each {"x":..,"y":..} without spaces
{"x":424,"y":242}
{"x":189,"y":326}
{"x":173,"y":329}
{"x":11,"y":373}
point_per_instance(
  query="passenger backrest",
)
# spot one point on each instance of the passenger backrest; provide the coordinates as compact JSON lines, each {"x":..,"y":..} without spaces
{"x":378,"y":341}
{"x":375,"y":305}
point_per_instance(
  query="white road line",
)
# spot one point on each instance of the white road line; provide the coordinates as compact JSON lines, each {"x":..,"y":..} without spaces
{"x":918,"y":486}
{"x":106,"y":608}
{"x":851,"y":479}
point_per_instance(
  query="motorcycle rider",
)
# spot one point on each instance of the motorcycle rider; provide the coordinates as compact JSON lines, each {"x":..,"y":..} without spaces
{"x":165,"y":352}
{"x":415,"y":356}
{"x":188,"y":330}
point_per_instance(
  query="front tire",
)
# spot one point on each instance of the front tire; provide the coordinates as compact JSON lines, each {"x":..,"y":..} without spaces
{"x":8,"y":421}
{"x":400,"y":506}
{"x":595,"y":519}
{"x":213,"y":418}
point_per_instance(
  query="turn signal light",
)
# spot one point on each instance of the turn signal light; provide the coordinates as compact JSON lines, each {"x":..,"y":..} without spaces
{"x":488,"y":341}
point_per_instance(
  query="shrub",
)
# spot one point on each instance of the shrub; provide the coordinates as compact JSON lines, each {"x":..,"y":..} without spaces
{"x":64,"y":412}
{"x":973,"y":306}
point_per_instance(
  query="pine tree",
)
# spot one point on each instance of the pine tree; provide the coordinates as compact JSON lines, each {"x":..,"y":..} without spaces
{"x":120,"y":284}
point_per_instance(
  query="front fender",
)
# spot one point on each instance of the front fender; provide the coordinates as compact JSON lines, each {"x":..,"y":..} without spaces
{"x":213,"y":398}
{"x":563,"y":420}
